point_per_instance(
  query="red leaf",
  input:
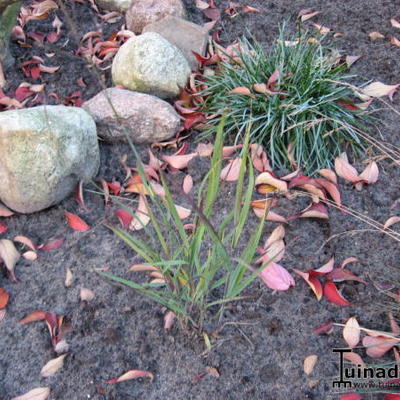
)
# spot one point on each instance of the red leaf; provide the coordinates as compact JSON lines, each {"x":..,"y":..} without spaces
{"x":4,"y":297}
{"x":3,"y":227}
{"x":392,"y":396}
{"x":351,"y":396}
{"x":76,"y":222}
{"x":340,"y":275}
{"x":52,"y":244}
{"x":326,"y":327}
{"x":333,"y":295}
{"x":124,"y":217}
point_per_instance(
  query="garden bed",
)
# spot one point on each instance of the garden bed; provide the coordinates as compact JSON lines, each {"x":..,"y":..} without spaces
{"x":260,"y":352}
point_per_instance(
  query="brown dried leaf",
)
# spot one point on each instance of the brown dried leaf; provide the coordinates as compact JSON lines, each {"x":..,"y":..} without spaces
{"x":52,"y":366}
{"x":35,"y":394}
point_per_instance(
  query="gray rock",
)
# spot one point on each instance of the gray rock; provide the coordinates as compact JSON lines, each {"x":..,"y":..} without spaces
{"x":44,"y":152}
{"x":150,"y":64}
{"x":144,"y":12}
{"x":185,"y":35}
{"x":119,"y":113}
{"x":115,"y":5}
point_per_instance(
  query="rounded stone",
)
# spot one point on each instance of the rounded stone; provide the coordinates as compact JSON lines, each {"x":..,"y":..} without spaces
{"x":150,"y":64}
{"x":45,"y":151}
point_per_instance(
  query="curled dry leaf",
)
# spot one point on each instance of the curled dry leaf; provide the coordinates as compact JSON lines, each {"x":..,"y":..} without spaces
{"x":53,"y":366}
{"x":204,"y":149}
{"x":52,"y":244}
{"x":350,"y":60}
{"x":333,"y":295}
{"x":183,"y":212}
{"x":277,"y":234}
{"x":86,"y":294}
{"x":351,"y":332}
{"x":211,"y":371}
{"x":76,"y":223}
{"x":307,"y":14}
{"x":370,"y":173}
{"x":9,"y":254}
{"x":124,"y":217}
{"x":141,"y":217}
{"x":26,"y":241}
{"x":33,"y":316}
{"x":324,"y":328}
{"x":309,"y":363}
{"x":345,"y":170}
{"x":132,"y":374}
{"x":267,"y":180}
{"x":395,"y":23}
{"x":169,"y":319}
{"x":313,"y":282}
{"x":328,"y":174}
{"x":391,"y":221}
{"x":41,"y":393}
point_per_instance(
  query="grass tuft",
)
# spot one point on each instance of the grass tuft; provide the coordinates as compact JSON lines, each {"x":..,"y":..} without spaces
{"x":305,"y":117}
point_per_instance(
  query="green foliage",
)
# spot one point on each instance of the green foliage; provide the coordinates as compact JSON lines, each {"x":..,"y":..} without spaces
{"x":206,"y":267}
{"x":307,"y":112}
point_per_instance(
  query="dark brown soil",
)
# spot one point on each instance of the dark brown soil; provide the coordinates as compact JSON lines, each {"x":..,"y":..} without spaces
{"x":260,"y":355}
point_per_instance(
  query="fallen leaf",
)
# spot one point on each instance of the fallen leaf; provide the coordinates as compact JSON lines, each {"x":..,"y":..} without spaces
{"x":376,"y":35}
{"x":276,"y":277}
{"x":26,"y":241}
{"x":142,"y":267}
{"x":333,"y":295}
{"x":268,"y":179}
{"x":241,"y":90}
{"x":4,"y":211}
{"x":230,"y":173}
{"x":86,"y":294}
{"x":325,"y":328}
{"x":351,"y":332}
{"x":307,"y":14}
{"x":9,"y":254}
{"x":211,"y":371}
{"x":314,"y":210}
{"x":141,"y":217}
{"x":309,"y":363}
{"x":340,"y":275}
{"x":350,"y":396}
{"x":350,"y":60}
{"x":124,"y":217}
{"x":370,"y":173}
{"x":76,"y":223}
{"x":394,"y":41}
{"x":354,"y":358}
{"x":345,"y":170}
{"x":187,"y":184}
{"x":378,"y":346}
{"x":53,"y":366}
{"x":33,"y":316}
{"x":179,"y":162}
{"x":395,"y":23}
{"x":3,"y":227}
{"x":35,"y":394}
{"x":69,"y":278}
{"x":326,"y":268}
{"x":391,"y":221}
{"x":379,"y":89}
{"x":30,"y":255}
{"x":132,"y":374}
{"x":313,"y":282}
{"x":328,"y":174}
{"x":52,"y":244}
{"x":4,"y":297}
{"x":169,"y":319}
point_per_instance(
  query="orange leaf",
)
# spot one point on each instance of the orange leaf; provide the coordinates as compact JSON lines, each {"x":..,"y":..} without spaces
{"x":4,"y":297}
{"x":267,"y":178}
{"x":241,"y":90}
{"x":132,"y":374}
{"x":33,"y":316}
{"x":76,"y":222}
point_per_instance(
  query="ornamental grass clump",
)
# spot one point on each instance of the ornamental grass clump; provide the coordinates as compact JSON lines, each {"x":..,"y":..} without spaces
{"x":198,"y":269}
{"x":294,"y":96}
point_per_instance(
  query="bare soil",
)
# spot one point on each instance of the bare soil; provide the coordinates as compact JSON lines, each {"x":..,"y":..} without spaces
{"x":260,"y":355}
